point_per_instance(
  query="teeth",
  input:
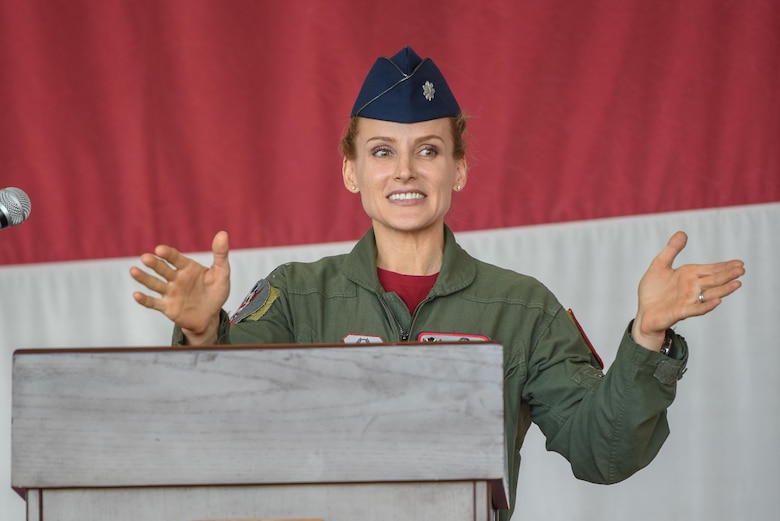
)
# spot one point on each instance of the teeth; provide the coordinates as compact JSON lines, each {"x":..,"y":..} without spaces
{"x":406,"y":196}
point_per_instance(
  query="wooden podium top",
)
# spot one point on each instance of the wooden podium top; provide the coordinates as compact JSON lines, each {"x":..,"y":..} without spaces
{"x":258,"y":415}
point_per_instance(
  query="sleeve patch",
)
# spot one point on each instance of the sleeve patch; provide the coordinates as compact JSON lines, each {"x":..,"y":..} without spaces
{"x":272,"y":296}
{"x":256,"y":303}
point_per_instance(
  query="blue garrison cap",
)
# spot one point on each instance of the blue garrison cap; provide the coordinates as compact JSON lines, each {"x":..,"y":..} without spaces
{"x":405,"y":89}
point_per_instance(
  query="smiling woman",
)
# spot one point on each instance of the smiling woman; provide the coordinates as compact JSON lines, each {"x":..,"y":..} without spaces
{"x":407,"y":279}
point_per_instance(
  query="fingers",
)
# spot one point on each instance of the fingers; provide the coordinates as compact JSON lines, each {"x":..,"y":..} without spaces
{"x":159,"y":266}
{"x":718,"y":292}
{"x":147,"y":301}
{"x":730,"y":273}
{"x":673,"y":248}
{"x":220,"y":248}
{"x":701,"y":308}
{"x":171,"y":255}
{"x":720,"y":280}
{"x":150,"y":281}
{"x":165,"y":261}
{"x":722,"y":271}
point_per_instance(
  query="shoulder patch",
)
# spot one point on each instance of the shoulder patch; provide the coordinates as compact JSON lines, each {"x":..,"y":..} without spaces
{"x":256,"y":303}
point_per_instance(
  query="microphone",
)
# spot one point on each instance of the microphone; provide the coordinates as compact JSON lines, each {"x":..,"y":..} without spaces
{"x":14,"y":207}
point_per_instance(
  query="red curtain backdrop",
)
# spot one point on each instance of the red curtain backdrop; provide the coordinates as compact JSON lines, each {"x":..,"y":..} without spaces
{"x":135,"y":122}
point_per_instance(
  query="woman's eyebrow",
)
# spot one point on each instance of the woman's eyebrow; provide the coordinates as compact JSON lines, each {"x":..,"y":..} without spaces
{"x":428,"y":137}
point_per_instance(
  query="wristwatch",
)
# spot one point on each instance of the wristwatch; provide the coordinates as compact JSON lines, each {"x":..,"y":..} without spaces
{"x":666,"y":347}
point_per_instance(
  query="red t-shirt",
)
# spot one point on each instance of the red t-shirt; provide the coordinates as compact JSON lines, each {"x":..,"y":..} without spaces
{"x":411,"y":288}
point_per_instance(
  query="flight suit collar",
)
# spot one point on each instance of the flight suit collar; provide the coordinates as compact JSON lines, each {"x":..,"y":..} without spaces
{"x":457,"y":272}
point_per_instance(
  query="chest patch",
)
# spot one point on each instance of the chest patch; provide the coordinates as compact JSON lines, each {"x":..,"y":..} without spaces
{"x":362,"y":339}
{"x":428,"y":336}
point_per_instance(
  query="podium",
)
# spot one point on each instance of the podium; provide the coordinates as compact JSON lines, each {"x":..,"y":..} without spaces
{"x":305,"y":432}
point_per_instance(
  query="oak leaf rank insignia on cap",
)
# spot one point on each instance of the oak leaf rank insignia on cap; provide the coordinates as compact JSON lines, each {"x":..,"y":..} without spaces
{"x":405,"y":89}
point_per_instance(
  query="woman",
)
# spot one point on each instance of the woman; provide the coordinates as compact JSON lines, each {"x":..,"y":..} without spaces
{"x":407,"y":279}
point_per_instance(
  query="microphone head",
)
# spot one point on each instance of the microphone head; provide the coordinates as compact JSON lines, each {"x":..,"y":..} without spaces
{"x":14,"y":207}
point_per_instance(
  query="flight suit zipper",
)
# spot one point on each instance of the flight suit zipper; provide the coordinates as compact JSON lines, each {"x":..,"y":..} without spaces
{"x":404,"y":335}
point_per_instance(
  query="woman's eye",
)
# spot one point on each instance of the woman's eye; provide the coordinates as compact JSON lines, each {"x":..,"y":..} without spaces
{"x":429,"y":151}
{"x":380,"y":152}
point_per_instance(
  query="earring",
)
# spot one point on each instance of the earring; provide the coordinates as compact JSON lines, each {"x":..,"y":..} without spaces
{"x":457,"y":188}
{"x":353,"y":188}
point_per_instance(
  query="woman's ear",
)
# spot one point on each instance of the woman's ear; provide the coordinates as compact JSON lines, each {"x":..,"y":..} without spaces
{"x":461,"y":174}
{"x":348,"y":174}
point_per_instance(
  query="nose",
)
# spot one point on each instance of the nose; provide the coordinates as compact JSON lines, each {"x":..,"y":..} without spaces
{"x":405,"y":170}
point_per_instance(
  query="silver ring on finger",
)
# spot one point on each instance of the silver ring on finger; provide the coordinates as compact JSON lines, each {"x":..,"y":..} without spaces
{"x":701,"y":297}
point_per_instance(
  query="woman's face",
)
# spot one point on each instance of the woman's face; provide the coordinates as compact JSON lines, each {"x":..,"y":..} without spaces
{"x":405,"y":173}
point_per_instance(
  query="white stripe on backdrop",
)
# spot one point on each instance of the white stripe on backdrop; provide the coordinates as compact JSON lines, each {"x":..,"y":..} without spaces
{"x":720,"y":462}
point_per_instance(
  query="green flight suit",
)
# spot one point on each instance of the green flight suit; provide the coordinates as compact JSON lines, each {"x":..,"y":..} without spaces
{"x":607,"y":426}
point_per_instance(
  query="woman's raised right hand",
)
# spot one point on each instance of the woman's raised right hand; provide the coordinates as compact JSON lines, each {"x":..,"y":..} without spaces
{"x":191,"y":295}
